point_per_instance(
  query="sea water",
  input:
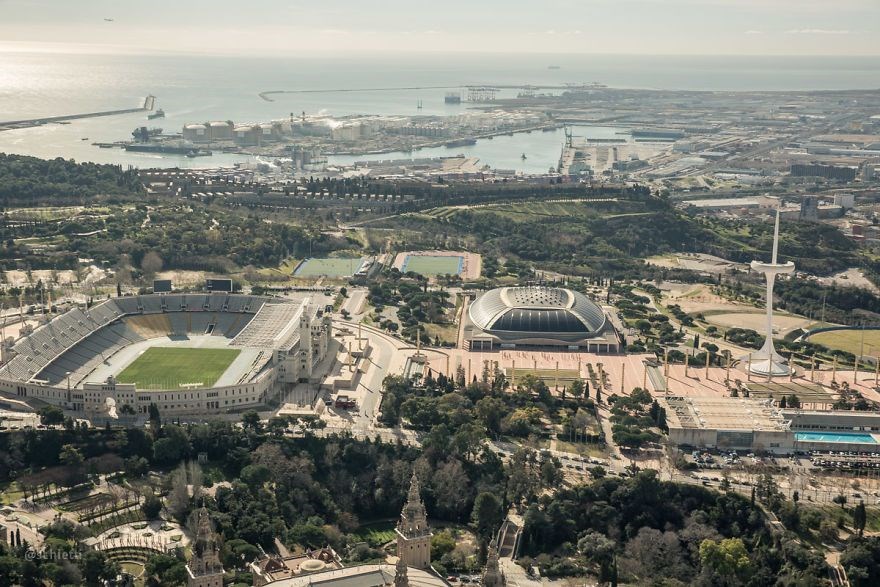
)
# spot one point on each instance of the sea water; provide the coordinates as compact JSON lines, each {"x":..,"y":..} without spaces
{"x":203,"y":88}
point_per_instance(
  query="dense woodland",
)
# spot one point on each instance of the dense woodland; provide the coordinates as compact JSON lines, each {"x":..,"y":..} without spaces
{"x":28,"y":181}
{"x":314,"y":491}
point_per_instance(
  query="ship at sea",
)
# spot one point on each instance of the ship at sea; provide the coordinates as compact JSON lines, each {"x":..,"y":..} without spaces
{"x":180,"y":148}
{"x":157,"y":114}
{"x":461,"y":142}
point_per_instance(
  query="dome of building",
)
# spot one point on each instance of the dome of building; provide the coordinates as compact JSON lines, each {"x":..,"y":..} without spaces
{"x":536,"y":309}
{"x":313,"y":566}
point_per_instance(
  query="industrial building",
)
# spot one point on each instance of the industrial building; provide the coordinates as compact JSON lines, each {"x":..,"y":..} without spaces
{"x":835,"y":172}
{"x":534,"y":317}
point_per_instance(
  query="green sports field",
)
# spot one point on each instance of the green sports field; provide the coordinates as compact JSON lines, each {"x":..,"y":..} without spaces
{"x":853,"y":341}
{"x":329,"y":267}
{"x":173,"y":367}
{"x":430,"y":265}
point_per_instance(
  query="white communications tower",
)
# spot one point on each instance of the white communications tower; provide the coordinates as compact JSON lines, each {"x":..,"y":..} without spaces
{"x":767,"y":361}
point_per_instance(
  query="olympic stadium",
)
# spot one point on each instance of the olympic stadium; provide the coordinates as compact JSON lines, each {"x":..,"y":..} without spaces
{"x":189,"y":354}
{"x":537,"y":317}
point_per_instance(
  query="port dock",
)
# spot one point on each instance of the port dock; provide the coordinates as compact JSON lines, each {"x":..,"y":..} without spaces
{"x":149,"y":104}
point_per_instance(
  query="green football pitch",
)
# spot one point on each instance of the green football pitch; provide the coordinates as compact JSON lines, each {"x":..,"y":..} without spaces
{"x":173,"y":367}
{"x":431,"y":265}
{"x":329,"y":267}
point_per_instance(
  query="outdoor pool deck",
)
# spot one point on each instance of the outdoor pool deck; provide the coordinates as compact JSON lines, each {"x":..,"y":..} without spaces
{"x":842,"y":437}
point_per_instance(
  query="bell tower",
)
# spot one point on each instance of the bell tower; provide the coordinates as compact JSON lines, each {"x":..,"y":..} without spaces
{"x":413,"y":534}
{"x":205,"y":569}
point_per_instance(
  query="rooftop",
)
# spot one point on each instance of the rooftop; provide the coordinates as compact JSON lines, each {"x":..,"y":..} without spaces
{"x":724,"y":413}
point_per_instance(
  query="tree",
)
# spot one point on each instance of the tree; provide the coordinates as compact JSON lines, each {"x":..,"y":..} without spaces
{"x":487,"y":514}
{"x":442,"y":543}
{"x":255,"y":476}
{"x":178,"y":498}
{"x":152,"y":506}
{"x":51,"y":415}
{"x":599,"y":550}
{"x":860,"y":517}
{"x":251,"y":420}
{"x":151,"y":264}
{"x":155,"y":419}
{"x":828,"y":531}
{"x":578,"y":390}
{"x":727,"y":558}
{"x":167,"y":451}
{"x":491,"y":411}
{"x":170,"y":570}
{"x":70,"y":456}
{"x":97,"y":569}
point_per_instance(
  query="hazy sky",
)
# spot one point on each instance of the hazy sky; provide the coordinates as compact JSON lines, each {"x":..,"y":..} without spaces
{"x":786,"y":27}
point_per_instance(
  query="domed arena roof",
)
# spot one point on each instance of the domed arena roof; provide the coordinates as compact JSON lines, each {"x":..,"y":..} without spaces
{"x":537,"y":310}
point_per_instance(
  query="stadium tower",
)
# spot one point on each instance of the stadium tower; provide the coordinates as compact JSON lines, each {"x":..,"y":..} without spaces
{"x":767,"y":361}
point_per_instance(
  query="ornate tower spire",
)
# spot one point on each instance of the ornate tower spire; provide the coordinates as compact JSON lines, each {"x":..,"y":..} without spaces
{"x":413,"y":534}
{"x":492,"y":575}
{"x":415,"y":491}
{"x":401,"y":579}
{"x":205,"y":568}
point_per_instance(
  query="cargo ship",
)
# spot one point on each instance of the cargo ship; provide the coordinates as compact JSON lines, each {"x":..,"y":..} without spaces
{"x":187,"y":150}
{"x":157,"y":114}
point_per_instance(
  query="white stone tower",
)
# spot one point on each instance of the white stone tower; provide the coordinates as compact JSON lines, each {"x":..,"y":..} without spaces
{"x":767,"y":361}
{"x":413,"y":534}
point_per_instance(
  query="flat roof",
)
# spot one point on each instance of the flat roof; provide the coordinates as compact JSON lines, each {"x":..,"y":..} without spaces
{"x":362,"y":576}
{"x":724,"y":413}
{"x":723,"y":202}
{"x":810,"y":392}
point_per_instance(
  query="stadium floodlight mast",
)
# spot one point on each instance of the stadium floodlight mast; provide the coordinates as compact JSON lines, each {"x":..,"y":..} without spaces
{"x":767,"y":361}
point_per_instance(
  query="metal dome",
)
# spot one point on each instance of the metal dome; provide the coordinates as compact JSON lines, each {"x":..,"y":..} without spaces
{"x":539,"y":310}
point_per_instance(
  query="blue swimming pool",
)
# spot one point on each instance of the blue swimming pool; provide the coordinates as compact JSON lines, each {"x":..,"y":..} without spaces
{"x":848,"y":437}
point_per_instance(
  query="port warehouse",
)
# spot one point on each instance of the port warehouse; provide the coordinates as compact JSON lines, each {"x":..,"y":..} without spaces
{"x":65,"y":361}
{"x":757,"y":425}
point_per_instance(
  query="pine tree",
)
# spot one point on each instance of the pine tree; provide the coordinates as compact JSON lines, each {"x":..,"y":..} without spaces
{"x":860,"y":517}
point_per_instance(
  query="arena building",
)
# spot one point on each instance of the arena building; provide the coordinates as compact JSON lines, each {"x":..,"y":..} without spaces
{"x":189,"y":354}
{"x":537,"y":317}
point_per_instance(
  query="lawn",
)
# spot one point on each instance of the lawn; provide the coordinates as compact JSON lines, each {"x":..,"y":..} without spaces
{"x":376,"y":534}
{"x":430,"y":265}
{"x":173,"y":367}
{"x":10,"y":493}
{"x":446,"y":332}
{"x":850,"y":341}
{"x":582,"y":448}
